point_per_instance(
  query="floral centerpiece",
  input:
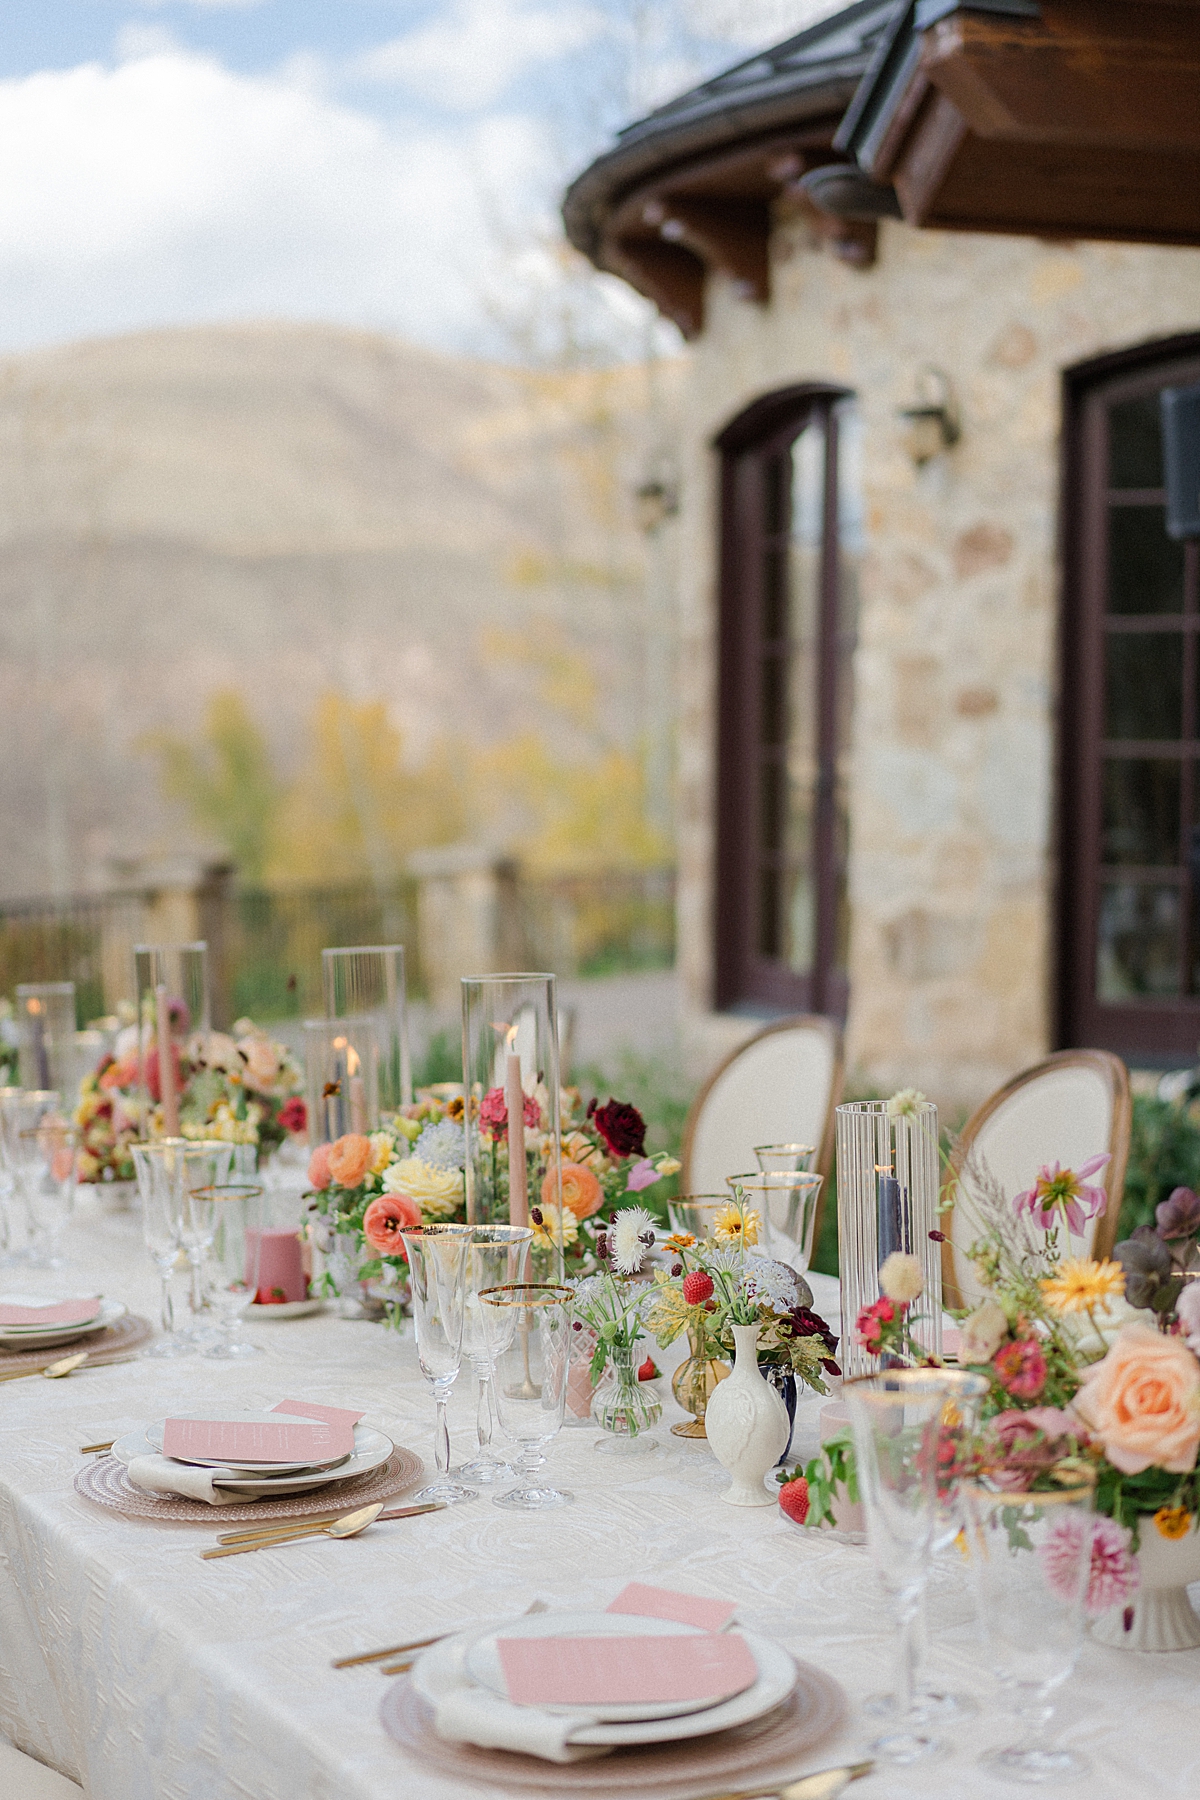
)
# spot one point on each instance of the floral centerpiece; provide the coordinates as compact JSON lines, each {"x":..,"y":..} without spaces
{"x":239,"y":1087}
{"x":1092,"y":1364}
{"x":604,"y":1164}
{"x":714,"y":1285}
{"x":371,"y":1187}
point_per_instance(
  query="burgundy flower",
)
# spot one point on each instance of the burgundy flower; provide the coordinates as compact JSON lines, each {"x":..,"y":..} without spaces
{"x":1179,"y":1215}
{"x":622,"y":1127}
{"x":293,"y":1116}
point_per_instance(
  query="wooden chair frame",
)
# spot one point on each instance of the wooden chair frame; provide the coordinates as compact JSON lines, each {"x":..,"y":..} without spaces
{"x":1118,"y":1147}
{"x":825,"y":1028}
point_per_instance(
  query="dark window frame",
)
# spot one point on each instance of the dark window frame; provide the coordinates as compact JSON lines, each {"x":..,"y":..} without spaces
{"x":748,"y":447}
{"x":1165,"y":1031}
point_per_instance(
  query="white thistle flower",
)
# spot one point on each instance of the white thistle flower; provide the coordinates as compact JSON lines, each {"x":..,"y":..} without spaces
{"x":902,"y":1277}
{"x":906,"y":1104}
{"x":771,"y":1284}
{"x":627,"y":1239}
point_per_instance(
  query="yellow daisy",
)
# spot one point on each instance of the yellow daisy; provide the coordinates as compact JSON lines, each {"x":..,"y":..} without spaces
{"x":733,"y":1225}
{"x":555,"y":1226}
{"x":1081,"y":1284}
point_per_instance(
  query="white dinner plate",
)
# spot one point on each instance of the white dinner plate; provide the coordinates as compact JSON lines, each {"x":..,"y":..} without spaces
{"x":259,"y":1470}
{"x":484,"y":1666}
{"x":45,"y":1337}
{"x":286,"y":1309}
{"x":440,"y":1669}
{"x":371,"y":1450}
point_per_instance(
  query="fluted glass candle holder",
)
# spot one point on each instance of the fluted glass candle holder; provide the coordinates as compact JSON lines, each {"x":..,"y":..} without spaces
{"x":367,"y":982}
{"x":887,"y":1193}
{"x":46,"y":1036}
{"x":172,"y":1002}
{"x":511,"y":1087}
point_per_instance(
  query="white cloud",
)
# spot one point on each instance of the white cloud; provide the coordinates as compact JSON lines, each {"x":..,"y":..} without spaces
{"x":472,"y":55}
{"x":134,"y":39}
{"x":171,"y":190}
{"x":757,"y":24}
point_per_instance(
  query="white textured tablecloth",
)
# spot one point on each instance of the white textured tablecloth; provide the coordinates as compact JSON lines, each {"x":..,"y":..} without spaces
{"x":147,"y":1674}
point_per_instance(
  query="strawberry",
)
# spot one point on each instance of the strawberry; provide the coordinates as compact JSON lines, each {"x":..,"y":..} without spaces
{"x":793,"y":1497}
{"x":697,"y":1287}
{"x":648,"y":1371}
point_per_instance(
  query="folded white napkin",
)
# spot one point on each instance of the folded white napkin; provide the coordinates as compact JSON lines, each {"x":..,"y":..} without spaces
{"x":159,"y":1475}
{"x":466,"y":1714}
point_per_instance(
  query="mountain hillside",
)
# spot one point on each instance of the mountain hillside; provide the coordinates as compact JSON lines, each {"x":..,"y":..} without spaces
{"x":283,"y":511}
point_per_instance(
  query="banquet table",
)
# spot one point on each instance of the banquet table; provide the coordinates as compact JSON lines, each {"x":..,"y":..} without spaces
{"x":145,"y":1673}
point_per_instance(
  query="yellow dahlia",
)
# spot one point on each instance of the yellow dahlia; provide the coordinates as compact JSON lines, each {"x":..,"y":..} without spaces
{"x":1081,"y":1284}
{"x":736,"y":1225}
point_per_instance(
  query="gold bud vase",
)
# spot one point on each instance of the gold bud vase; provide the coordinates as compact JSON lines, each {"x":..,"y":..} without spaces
{"x":693,"y":1383}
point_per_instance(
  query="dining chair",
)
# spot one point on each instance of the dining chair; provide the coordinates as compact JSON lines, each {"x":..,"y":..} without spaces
{"x":780,"y":1087}
{"x":24,"y":1778}
{"x":1065,"y":1109}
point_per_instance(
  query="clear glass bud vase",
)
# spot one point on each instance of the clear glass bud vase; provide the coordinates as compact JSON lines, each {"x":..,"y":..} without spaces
{"x":624,"y":1407}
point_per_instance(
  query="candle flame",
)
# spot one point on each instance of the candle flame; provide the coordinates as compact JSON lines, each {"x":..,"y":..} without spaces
{"x":883,"y":1168}
{"x":34,"y":1005}
{"x":511,"y":1036}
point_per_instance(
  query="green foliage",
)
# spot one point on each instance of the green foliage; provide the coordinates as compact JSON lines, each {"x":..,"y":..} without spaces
{"x":227,"y":782}
{"x":442,"y":1060}
{"x":1164,"y":1153}
{"x":832,"y":1470}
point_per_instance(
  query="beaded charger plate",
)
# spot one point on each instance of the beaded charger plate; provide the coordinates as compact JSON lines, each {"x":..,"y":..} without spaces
{"x":118,"y":1339}
{"x":755,"y":1754}
{"x":106,"y":1482}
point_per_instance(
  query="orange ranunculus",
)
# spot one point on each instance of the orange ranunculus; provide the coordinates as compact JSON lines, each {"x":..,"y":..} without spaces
{"x":581,"y":1192}
{"x":318,"y":1168}
{"x":350,"y":1158}
{"x":1142,"y":1401}
{"x":122,"y":1073}
{"x":385,"y":1219}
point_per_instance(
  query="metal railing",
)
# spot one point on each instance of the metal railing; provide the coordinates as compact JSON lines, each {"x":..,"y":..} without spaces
{"x":265,"y":944}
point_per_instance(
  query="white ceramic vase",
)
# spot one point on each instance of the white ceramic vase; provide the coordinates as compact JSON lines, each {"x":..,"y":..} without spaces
{"x":1163,"y":1618}
{"x":746,"y":1424}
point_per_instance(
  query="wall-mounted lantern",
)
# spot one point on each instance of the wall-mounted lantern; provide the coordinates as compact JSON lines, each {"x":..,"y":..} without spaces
{"x":933,"y":423}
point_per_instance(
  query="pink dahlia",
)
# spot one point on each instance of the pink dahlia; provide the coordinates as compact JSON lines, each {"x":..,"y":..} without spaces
{"x":1020,"y":1369}
{"x":1112,"y":1574}
{"x":1064,"y":1192}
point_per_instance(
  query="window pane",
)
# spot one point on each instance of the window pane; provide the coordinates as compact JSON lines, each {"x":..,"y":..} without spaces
{"x":1143,"y":685}
{"x":797,"y":892}
{"x":1138,"y":943}
{"x":1141,"y":813}
{"x":1145,"y":566}
{"x":1135,"y":444}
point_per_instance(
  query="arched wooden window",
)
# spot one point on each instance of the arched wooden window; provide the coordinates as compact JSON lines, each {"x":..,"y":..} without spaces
{"x":790,"y":535}
{"x":1129,"y":722}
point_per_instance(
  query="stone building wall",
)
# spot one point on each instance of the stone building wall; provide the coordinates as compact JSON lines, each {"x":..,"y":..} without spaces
{"x":956,"y":701}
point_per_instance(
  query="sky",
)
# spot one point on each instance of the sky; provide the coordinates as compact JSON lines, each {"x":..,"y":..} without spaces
{"x":386,"y":164}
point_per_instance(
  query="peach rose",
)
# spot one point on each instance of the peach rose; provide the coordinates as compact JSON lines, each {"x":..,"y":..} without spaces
{"x":350,"y":1158}
{"x":581,"y":1192}
{"x":385,"y":1219}
{"x":1143,"y":1402}
{"x":318,"y":1168}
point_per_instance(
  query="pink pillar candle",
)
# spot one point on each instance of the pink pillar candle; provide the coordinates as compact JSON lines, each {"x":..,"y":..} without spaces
{"x":281,"y":1276}
{"x":514,"y":1100}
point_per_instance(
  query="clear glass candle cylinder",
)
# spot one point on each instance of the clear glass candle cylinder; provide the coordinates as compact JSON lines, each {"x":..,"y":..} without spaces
{"x":46,"y":1036}
{"x":368,"y":982}
{"x":511,"y":1086}
{"x":887,"y":1193}
{"x":341,"y":1068}
{"x":172,"y":1002}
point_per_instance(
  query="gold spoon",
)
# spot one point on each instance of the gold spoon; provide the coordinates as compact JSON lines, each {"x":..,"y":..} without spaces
{"x":823,"y":1784}
{"x":66,"y":1365}
{"x":294,"y":1527}
{"x":346,"y":1527}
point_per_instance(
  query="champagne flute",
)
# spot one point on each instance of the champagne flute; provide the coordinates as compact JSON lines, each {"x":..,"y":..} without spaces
{"x":157,"y":1168}
{"x":231,"y":1210}
{"x":437,"y":1273}
{"x":529,"y":1336}
{"x":1031,"y":1556}
{"x":496,"y":1257}
{"x":203,"y":1163}
{"x":47,"y":1160}
{"x":896,"y":1417}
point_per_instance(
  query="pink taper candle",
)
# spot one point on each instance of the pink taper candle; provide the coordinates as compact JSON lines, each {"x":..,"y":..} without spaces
{"x":514,"y":1100}
{"x":166,"y":1064}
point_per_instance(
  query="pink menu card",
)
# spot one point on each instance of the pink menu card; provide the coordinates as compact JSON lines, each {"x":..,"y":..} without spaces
{"x":308,"y":1409}
{"x":663,"y":1603}
{"x":59,"y":1312}
{"x":593,"y":1671}
{"x":257,"y":1440}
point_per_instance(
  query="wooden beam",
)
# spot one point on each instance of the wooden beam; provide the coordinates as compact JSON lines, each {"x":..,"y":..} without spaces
{"x":731,"y":236}
{"x":667,"y":274}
